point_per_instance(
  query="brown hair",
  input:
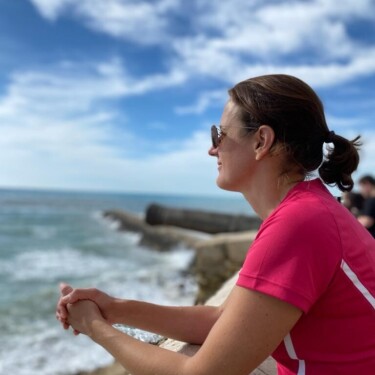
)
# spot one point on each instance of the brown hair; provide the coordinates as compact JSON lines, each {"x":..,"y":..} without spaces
{"x":367,"y":180}
{"x":295,"y":113}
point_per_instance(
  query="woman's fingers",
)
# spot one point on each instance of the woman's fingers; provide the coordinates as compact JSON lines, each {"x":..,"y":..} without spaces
{"x":65,"y":289}
{"x":61,"y":311}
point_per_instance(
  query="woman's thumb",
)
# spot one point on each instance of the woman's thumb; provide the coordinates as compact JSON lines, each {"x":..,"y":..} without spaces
{"x":65,"y":289}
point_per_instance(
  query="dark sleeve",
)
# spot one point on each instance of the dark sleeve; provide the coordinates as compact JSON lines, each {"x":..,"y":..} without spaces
{"x":369,"y":208}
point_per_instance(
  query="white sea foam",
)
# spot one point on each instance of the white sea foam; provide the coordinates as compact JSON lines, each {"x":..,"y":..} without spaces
{"x":51,"y":351}
{"x":42,"y":347}
{"x":66,"y":239}
{"x":49,"y":265}
{"x":44,"y":232}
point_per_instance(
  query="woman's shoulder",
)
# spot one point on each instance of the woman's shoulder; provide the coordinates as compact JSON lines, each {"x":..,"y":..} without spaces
{"x":308,"y":216}
{"x":307,"y":201}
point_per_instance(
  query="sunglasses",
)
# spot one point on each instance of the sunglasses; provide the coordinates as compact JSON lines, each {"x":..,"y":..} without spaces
{"x":217,"y":134}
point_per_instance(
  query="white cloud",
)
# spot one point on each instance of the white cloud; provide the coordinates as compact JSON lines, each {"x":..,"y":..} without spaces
{"x":144,"y":22}
{"x":76,"y":88}
{"x":253,"y":28}
{"x":335,"y":122}
{"x":253,"y":38}
{"x":59,"y":123}
{"x":230,"y":41}
{"x":59,"y":132}
{"x":79,"y":147}
{"x":230,"y":69}
{"x":140,"y":21}
{"x":52,"y":9}
{"x":187,"y":169}
{"x":205,"y":100}
{"x":320,"y":74}
{"x":276,"y":28}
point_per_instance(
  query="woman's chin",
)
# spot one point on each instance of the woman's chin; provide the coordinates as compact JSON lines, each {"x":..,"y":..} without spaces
{"x":225,"y":185}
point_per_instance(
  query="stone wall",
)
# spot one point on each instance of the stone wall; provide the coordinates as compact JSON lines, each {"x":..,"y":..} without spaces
{"x":268,"y":367}
{"x":217,"y":259}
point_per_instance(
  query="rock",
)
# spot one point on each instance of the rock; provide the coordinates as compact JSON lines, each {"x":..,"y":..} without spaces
{"x":217,"y":256}
{"x":217,"y":259}
{"x":161,"y":237}
{"x":166,"y":237}
{"x":126,"y":220}
{"x":208,"y":222}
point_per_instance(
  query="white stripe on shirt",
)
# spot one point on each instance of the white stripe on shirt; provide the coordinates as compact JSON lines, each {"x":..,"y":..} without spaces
{"x":292,"y":354}
{"x":354,"y":279}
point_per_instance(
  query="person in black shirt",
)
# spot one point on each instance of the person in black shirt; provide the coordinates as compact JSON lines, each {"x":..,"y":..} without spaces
{"x":353,"y":202}
{"x":367,"y":215}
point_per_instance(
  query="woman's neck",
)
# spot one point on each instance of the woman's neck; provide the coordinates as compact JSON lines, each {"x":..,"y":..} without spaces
{"x":266,"y":193}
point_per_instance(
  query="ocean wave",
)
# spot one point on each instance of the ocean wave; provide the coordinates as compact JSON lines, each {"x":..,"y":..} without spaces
{"x":56,"y":264}
{"x":37,"y":345}
{"x":50,"y":351}
{"x":43,"y":231}
{"x":50,"y":238}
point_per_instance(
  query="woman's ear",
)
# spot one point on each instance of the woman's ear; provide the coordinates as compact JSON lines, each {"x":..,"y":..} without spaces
{"x":264,"y":141}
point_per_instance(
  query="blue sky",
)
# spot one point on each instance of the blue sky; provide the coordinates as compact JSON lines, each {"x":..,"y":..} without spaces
{"x":119,"y":95}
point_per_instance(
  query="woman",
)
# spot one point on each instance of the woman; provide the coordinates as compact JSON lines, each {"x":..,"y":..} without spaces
{"x":306,"y":291}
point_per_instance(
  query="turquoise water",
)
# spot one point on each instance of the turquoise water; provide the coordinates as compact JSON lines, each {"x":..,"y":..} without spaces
{"x":48,"y":237}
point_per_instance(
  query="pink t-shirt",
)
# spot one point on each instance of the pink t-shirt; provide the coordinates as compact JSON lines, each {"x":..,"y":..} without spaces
{"x":312,"y":253}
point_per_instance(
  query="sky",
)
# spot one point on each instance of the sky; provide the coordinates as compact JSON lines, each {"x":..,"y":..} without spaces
{"x":120,"y":95}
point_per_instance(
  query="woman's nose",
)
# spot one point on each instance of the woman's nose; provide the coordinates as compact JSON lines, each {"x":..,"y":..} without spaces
{"x":212,"y":151}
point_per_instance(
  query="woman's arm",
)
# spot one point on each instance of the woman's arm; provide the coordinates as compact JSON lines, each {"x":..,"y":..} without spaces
{"x":249,"y":329}
{"x":189,"y":324}
{"x":184,"y":323}
{"x":366,"y":221}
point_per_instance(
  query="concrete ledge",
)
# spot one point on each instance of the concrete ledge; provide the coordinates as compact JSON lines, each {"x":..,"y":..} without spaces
{"x":217,"y":259}
{"x":268,"y":367}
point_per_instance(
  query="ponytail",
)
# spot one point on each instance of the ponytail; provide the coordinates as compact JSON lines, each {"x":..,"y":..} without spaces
{"x":340,"y":162}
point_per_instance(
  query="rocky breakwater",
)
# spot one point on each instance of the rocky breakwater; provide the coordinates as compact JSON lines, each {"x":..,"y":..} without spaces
{"x":199,"y":220}
{"x":160,"y":237}
{"x":220,"y":240}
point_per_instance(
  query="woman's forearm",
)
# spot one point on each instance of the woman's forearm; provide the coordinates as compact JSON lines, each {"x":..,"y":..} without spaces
{"x":186,"y":323}
{"x":137,"y":357}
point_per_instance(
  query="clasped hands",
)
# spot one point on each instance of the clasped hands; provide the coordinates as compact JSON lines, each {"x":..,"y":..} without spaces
{"x":81,"y":308}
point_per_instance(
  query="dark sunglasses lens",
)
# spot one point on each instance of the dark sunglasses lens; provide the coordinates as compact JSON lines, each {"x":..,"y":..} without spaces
{"x":214,"y":136}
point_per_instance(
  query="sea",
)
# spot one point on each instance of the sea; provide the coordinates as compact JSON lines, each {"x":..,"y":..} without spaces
{"x":47,"y":237}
